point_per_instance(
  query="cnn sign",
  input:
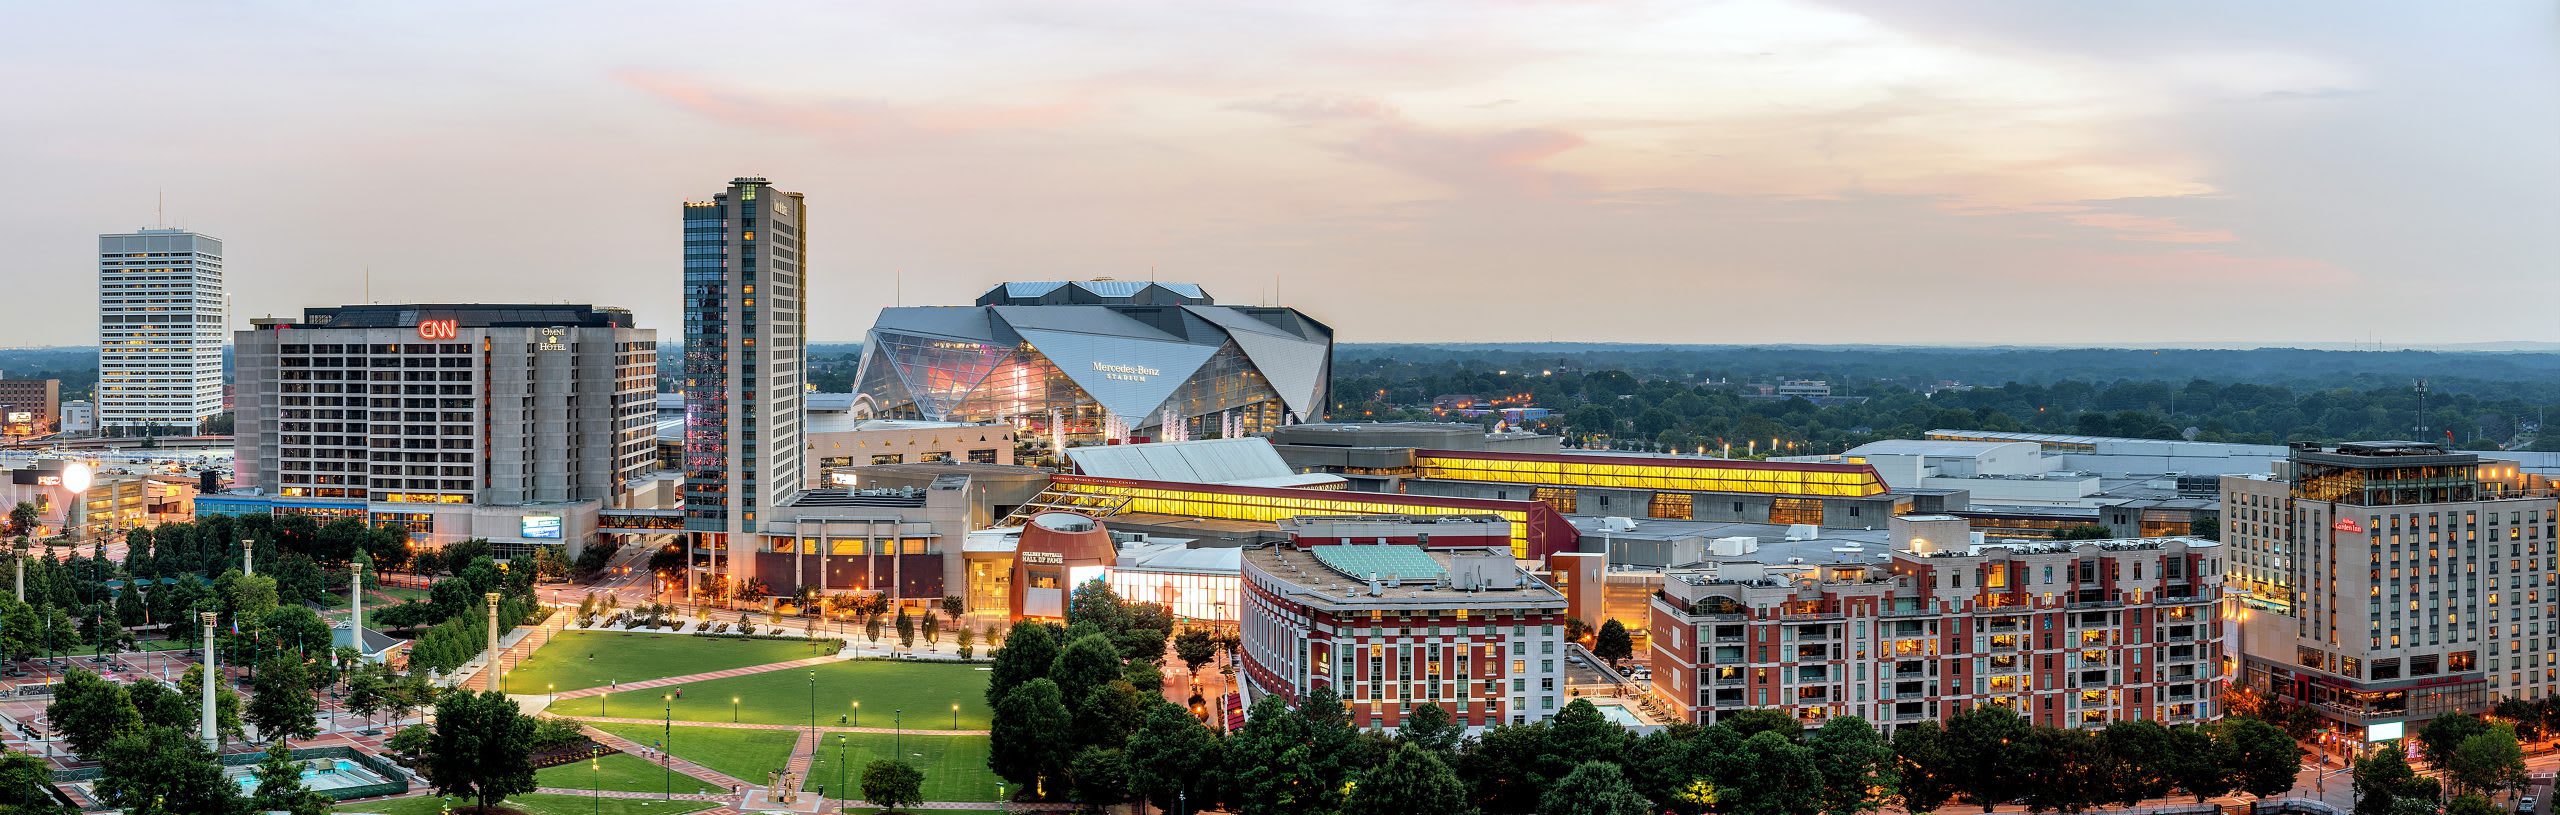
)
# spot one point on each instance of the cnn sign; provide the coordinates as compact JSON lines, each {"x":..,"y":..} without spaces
{"x":438,"y":330}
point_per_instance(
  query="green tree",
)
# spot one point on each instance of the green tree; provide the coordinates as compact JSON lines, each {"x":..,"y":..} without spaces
{"x":26,"y":786}
{"x":892,"y":784}
{"x":1773,"y":775}
{"x":1031,"y":736}
{"x":2138,"y":752}
{"x":21,"y":631}
{"x":1172,"y":757}
{"x":2384,"y":776}
{"x":483,"y":748}
{"x":1613,"y":642}
{"x":1753,"y":722}
{"x":164,"y":771}
{"x":1195,"y":647}
{"x":1579,"y":733}
{"x":1101,"y":776}
{"x":2207,"y":527}
{"x":23,"y":518}
{"x":1110,"y":713}
{"x":1095,"y":603}
{"x":1085,"y":664}
{"x":1500,"y":766}
{"x":298,"y":628}
{"x":280,"y":787}
{"x":1271,"y":765}
{"x":2084,"y":532}
{"x":280,"y":700}
{"x":1411,"y":779}
{"x":159,"y":704}
{"x":2438,"y":738}
{"x":90,"y":711}
{"x":1925,"y":768}
{"x":2472,"y":804}
{"x":1427,"y":725}
{"x":226,"y":702}
{"x":2263,"y":758}
{"x":2200,"y":763}
{"x":1979,"y":744}
{"x":906,"y":629}
{"x":1857,"y":766}
{"x":1593,"y":788}
{"x":2487,"y":762}
{"x":2067,"y":770}
{"x":1026,"y":654}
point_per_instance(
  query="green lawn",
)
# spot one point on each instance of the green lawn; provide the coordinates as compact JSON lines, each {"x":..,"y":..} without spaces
{"x":955,"y":767}
{"x":619,"y":771}
{"x":745,"y":754}
{"x":167,"y":645}
{"x":404,"y":593}
{"x":586,"y":659}
{"x":534,"y":804}
{"x":924,"y":690}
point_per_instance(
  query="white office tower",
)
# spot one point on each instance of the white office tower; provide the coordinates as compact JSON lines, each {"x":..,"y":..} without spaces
{"x":161,"y":314}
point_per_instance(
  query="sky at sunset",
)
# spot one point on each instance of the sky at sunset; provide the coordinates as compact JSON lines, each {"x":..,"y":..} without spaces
{"x":1760,"y":171}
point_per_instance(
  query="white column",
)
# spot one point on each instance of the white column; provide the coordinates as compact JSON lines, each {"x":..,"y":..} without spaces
{"x":492,"y":669}
{"x":248,"y":557}
{"x":211,"y":731}
{"x":355,"y":607}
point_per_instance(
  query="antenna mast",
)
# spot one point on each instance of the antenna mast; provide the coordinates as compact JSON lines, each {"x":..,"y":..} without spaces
{"x":2421,"y":426}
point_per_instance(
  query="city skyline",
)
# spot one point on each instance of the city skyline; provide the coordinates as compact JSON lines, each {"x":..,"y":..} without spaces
{"x":1754,"y":172}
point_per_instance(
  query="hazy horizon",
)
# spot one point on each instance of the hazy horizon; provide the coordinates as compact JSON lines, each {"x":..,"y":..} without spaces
{"x":1767,"y":172}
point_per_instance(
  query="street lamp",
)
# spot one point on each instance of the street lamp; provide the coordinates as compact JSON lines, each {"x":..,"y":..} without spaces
{"x":840,"y":766}
{"x":813,"y":706}
{"x":595,"y":783}
{"x":955,"y":715}
{"x":857,"y":713}
{"x":733,"y":710}
{"x":898,"y":734}
{"x":666,"y":745}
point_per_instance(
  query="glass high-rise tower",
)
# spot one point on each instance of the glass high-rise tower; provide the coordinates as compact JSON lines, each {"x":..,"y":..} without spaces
{"x":161,"y":313}
{"x":744,"y":334}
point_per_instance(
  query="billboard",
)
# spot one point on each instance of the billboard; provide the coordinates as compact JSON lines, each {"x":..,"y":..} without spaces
{"x":2384,"y":731}
{"x":546,"y":527}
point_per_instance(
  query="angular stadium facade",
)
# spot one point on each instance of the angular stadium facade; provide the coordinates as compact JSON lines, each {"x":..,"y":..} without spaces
{"x":1099,"y":360}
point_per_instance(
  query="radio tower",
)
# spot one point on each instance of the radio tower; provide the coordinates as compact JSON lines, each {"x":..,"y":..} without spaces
{"x":2421,"y":427}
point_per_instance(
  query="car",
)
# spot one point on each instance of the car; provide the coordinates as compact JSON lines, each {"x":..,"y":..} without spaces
{"x":2526,"y":805}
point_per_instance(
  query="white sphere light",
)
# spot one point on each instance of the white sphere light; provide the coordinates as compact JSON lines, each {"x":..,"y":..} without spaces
{"x":75,"y":477}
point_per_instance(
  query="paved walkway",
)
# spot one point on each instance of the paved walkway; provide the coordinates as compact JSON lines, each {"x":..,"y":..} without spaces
{"x":681,"y":796}
{"x":824,"y":728}
{"x":646,"y":684}
{"x":689,"y":769}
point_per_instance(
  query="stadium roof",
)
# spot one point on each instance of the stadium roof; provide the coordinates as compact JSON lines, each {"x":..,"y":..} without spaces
{"x":1248,"y":461}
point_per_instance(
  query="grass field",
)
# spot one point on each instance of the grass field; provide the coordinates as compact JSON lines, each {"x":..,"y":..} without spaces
{"x":924,"y":690}
{"x":619,"y":771}
{"x":745,"y":754}
{"x":534,"y":804}
{"x":586,"y":659}
{"x":404,"y":593}
{"x":955,"y":767}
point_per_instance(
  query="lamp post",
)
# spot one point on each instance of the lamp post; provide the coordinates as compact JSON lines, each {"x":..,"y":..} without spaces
{"x":733,"y":710}
{"x":955,"y":715}
{"x":840,"y":787}
{"x":666,"y":745}
{"x":898,"y":734}
{"x":857,"y":713}
{"x":813,"y":706}
{"x":595,"y":783}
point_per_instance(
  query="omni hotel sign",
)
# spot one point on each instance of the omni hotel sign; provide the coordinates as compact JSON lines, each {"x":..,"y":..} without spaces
{"x":1126,"y":373}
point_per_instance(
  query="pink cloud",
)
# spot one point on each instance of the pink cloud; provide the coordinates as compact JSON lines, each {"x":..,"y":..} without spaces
{"x":1508,"y":159}
{"x":845,"y":117}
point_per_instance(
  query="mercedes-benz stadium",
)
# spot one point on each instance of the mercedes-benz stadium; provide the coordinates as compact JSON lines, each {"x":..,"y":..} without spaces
{"x":1098,"y":361}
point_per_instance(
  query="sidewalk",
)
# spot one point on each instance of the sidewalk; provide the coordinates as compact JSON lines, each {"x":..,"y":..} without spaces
{"x":823,"y":728}
{"x":645,"y":684}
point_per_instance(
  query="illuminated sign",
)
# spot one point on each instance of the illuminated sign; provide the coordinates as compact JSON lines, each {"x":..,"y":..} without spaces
{"x":541,"y":526}
{"x":1126,"y":373}
{"x":1050,"y":558}
{"x":553,"y":339}
{"x":21,"y":417}
{"x":438,"y":330}
{"x":2346,"y":525}
{"x":2384,"y":731}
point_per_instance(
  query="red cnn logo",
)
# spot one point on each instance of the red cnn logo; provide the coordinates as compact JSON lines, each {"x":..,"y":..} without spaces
{"x":437,"y":330}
